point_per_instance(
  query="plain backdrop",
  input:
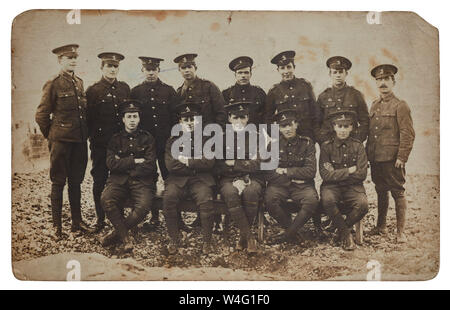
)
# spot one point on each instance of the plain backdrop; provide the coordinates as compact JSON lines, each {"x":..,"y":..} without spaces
{"x":401,"y":38}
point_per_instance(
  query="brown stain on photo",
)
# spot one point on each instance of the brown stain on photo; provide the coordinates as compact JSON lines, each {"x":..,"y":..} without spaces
{"x":364,"y":87}
{"x":389,"y":55}
{"x":304,"y":41}
{"x":95,"y":12}
{"x":427,"y":132}
{"x":373,"y":61}
{"x":215,"y":26}
{"x":159,"y":15}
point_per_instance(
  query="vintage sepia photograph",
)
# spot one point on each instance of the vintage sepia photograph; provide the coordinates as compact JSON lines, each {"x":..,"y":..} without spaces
{"x":225,"y":145}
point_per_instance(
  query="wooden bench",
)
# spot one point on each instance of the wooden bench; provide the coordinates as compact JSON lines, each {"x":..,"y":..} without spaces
{"x":220,"y":207}
{"x":291,"y":207}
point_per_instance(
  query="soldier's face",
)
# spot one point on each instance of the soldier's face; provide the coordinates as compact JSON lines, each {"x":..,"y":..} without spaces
{"x":188,"y":71}
{"x":238,"y":121}
{"x":338,"y":76}
{"x":188,"y":123}
{"x":68,"y":63}
{"x":151,"y":74}
{"x":110,"y":70}
{"x":243,"y":76}
{"x":385,"y":84}
{"x":342,"y":130}
{"x":131,"y":121}
{"x":286,"y":71}
{"x":289,"y":130}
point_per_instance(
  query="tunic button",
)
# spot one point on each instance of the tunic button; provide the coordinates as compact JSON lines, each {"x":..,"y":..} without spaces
{"x":99,"y":129}
{"x":345,"y":165}
{"x":132,"y":154}
{"x":291,"y":87}
{"x":345,"y":155}
{"x":117,"y":114}
{"x":113,"y":87}
{"x":376,"y":127}
{"x":156,"y":125}
{"x":62,"y":125}
{"x":190,"y":97}
{"x":154,"y":115}
{"x":79,"y":97}
{"x":375,"y":136}
{"x":115,"y":105}
{"x":292,"y":96}
{"x":377,"y":118}
{"x":131,"y":145}
{"x":81,"y":116}
{"x":189,"y":88}
{"x":152,"y":89}
{"x":79,"y":106}
{"x":152,"y":99}
{"x":339,"y":108}
{"x":153,"y":108}
{"x":243,"y":91}
{"x":114,"y":96}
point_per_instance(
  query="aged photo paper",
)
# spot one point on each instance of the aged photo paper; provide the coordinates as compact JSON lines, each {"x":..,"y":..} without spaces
{"x":366,"y":39}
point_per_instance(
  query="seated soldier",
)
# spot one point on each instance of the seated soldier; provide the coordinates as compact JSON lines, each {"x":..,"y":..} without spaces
{"x":239,"y":182}
{"x":294,"y":178}
{"x":131,"y":160}
{"x":343,"y":167}
{"x":188,"y":176}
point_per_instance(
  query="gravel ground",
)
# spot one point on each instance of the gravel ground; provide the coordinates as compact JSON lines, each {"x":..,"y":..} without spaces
{"x":313,"y":260}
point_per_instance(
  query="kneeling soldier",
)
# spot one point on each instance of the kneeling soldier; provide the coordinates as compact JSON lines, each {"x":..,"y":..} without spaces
{"x":188,"y":176}
{"x":293,"y":179}
{"x":131,"y":159}
{"x":343,"y":168}
{"x":239,"y":182}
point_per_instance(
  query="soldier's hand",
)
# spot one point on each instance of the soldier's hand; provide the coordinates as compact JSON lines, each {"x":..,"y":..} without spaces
{"x":229,"y":162}
{"x":352,"y":169}
{"x":240,"y":185}
{"x":116,"y":157}
{"x":183,"y":159}
{"x":328,"y":166}
{"x":281,"y":170}
{"x":399,"y":164}
{"x":139,"y":160}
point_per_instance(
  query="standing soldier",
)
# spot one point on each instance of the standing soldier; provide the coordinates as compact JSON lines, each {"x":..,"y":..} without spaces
{"x":343,"y":168}
{"x":340,"y":97}
{"x":188,"y":176}
{"x":61,"y":116}
{"x":294,"y":178}
{"x":297,"y":93}
{"x":200,"y":91}
{"x":103,"y":120}
{"x":240,"y":183}
{"x":158,"y":114}
{"x":131,"y":159}
{"x":391,"y":138}
{"x":244,"y":91}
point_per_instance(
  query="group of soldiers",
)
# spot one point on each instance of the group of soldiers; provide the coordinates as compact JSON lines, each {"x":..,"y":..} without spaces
{"x":129,"y":131}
